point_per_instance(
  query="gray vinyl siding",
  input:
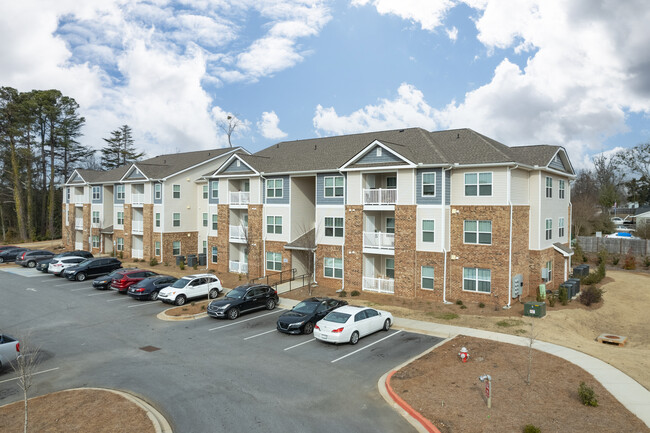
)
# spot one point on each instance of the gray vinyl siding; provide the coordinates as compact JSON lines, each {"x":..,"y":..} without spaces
{"x":448,"y":187}
{"x":437,"y":199}
{"x":76,"y":179}
{"x":285,"y":191}
{"x":101,"y":195}
{"x":372,"y":158}
{"x":320,"y":189}
{"x":557,"y":164}
{"x":135,"y":174}
{"x":115,"y":199}
{"x":232,"y":168}
{"x":210,"y":199}
{"x":153,"y":189}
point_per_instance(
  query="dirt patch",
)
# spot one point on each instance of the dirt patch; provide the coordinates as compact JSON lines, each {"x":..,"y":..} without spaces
{"x":449,"y":393}
{"x":94,"y":411}
{"x":190,"y":309}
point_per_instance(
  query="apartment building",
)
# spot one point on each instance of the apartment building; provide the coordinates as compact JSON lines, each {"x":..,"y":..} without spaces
{"x":441,"y":215}
{"x":146,"y":209}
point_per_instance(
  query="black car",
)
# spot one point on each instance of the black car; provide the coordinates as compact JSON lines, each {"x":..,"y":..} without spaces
{"x":9,"y":255}
{"x":242,"y":299}
{"x":149,"y":287}
{"x":104,"y":282}
{"x":91,"y":268}
{"x":302,"y":318}
{"x":43,"y":264}
{"x":28,"y":259}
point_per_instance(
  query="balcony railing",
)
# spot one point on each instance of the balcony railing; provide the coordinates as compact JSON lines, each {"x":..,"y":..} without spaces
{"x":137,"y":199}
{"x":238,"y":267}
{"x":239,"y":198}
{"x":137,"y":227}
{"x":379,"y":285}
{"x":379,"y":240}
{"x":379,"y":196}
{"x":78,"y":245}
{"x":79,"y":223}
{"x":136,"y":254}
{"x":238,"y":233}
{"x":78,"y":198}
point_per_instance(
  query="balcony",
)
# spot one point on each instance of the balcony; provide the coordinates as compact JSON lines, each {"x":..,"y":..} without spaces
{"x":240,"y":198}
{"x":136,"y":254}
{"x":137,"y":199}
{"x":379,"y":285}
{"x":238,"y":233}
{"x":379,"y":197}
{"x":78,"y":223}
{"x":238,"y":267}
{"x":383,"y":242}
{"x":137,"y":227}
{"x":78,"y":245}
{"x":78,"y":199}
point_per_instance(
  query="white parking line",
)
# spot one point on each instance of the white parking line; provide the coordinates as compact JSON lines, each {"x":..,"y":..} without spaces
{"x":300,"y":344}
{"x":101,"y":293}
{"x":263,"y":333}
{"x":80,"y":288}
{"x":62,"y":285}
{"x":142,"y":304}
{"x":33,"y":374}
{"x":246,"y":320}
{"x":118,"y":299}
{"x":363,"y":348}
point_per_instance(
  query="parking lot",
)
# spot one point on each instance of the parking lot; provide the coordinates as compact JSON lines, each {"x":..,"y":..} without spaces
{"x":204,"y":374}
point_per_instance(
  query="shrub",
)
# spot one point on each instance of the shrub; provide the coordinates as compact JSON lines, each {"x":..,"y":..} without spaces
{"x":459,"y":302}
{"x":579,"y":253}
{"x":529,"y":428}
{"x":463,"y":307}
{"x":195,"y":267}
{"x":587,"y":395}
{"x":153,"y":262}
{"x":120,"y":255}
{"x":629,"y":263}
{"x":646,"y":262}
{"x":615,"y":259}
{"x":563,"y":295}
{"x":355,"y":293}
{"x":182,"y":266}
{"x":591,"y":295}
{"x":193,"y":303}
{"x":551,"y":300}
{"x":481,"y":305}
{"x":343,"y":294}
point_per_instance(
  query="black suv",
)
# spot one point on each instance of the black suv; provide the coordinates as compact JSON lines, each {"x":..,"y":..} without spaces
{"x":242,"y":299}
{"x":43,"y":264}
{"x":29,"y":258}
{"x":91,"y":268}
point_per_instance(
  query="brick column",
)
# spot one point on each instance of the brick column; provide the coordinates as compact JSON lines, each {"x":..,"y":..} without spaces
{"x":405,"y":250}
{"x":222,"y":240}
{"x":147,"y":232}
{"x":86,"y":230}
{"x":353,"y":251}
{"x":128,"y":218}
{"x":256,"y":257}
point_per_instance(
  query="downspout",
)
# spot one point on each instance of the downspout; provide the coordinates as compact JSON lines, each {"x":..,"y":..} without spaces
{"x":510,"y":237}
{"x":262,"y":186}
{"x":570,"y":234}
{"x":444,"y":248}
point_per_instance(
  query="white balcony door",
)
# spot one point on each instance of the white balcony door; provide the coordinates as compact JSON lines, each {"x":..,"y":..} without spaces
{"x":370,"y":181}
{"x":369,"y":266}
{"x":371,"y":224}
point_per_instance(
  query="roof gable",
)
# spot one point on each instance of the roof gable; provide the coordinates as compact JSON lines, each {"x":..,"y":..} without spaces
{"x":134,"y":174}
{"x":76,"y":178}
{"x":234,"y":165}
{"x":376,"y":154}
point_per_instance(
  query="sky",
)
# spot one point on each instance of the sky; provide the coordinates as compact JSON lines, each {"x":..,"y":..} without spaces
{"x":570,"y":73}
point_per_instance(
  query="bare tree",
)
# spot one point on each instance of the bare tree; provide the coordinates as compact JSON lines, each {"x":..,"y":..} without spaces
{"x":228,"y":126}
{"x":532,"y":336}
{"x":25,"y":367}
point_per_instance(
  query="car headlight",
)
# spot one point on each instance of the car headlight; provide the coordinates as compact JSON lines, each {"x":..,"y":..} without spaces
{"x":223,"y":307}
{"x":296,"y":324}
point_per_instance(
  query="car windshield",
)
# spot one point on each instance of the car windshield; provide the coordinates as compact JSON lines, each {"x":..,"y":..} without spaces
{"x":113,"y":274}
{"x":236,"y":293}
{"x":84,"y":263}
{"x":179,"y":284}
{"x":337,"y":317}
{"x":306,"y":307}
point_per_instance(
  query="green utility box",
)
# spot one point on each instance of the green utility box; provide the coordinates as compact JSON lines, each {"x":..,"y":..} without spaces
{"x":535,"y":309}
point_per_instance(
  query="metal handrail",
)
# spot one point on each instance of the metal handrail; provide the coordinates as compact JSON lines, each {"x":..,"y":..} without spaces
{"x":282,"y":280}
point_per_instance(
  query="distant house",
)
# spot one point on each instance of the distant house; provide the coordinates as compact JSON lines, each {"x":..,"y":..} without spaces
{"x":642,"y":215}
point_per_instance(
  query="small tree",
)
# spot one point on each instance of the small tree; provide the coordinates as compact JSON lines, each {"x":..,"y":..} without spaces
{"x":25,"y":367}
{"x":228,"y":126}
{"x":532,"y":336}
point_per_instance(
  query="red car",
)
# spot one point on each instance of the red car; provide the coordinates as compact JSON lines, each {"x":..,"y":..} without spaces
{"x":125,"y":279}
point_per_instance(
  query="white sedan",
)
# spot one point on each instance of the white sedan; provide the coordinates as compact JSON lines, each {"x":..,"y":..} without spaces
{"x":349,"y":323}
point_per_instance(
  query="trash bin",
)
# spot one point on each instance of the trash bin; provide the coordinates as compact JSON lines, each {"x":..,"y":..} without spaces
{"x":535,"y":309}
{"x":180,"y":259}
{"x":576,"y":285}
{"x":191,"y":260}
{"x":202,"y":259}
{"x":581,"y":271}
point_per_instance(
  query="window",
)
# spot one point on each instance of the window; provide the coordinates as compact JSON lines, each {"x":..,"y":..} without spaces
{"x":157,"y":248}
{"x":96,"y":192}
{"x":67,"y":195}
{"x":478,"y":184}
{"x":390,"y":268}
{"x":205,"y":220}
{"x":560,"y":227}
{"x":427,"y":277}
{"x":119,"y":192}
{"x":379,"y":151}
{"x":176,"y":219}
{"x":391,"y":182}
{"x":120,"y":218}
{"x":205,"y":192}
{"x":390,"y":225}
{"x":95,"y":241}
{"x":549,"y":229}
{"x":95,"y":217}
{"x":176,"y":191}
{"x":560,"y":189}
{"x":274,"y":188}
{"x":477,"y":232}
{"x":333,"y":267}
{"x":205,"y":247}
{"x":157,"y":191}
{"x":477,"y":280}
{"x":274,"y":224}
{"x":176,"y":248}
{"x":428,"y":227}
{"x":549,"y":270}
{"x":273,"y":261}
{"x":549,"y":187}
{"x":157,"y":219}
{"x":120,"y":244}
{"x":214,"y":191}
{"x":215,"y":254}
{"x":215,"y":221}
{"x":334,"y":186}
{"x":428,"y":184}
{"x":334,"y":227}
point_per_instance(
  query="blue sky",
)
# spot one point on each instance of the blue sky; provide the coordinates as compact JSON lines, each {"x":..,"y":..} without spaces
{"x":523,"y":72}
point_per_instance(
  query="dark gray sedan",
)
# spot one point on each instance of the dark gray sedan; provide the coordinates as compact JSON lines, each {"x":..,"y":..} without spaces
{"x":149,"y":287}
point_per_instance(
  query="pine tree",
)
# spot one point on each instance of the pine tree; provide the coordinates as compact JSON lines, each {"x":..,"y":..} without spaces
{"x":120,"y":149}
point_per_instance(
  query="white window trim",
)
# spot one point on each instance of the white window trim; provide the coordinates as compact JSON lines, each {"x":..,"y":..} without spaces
{"x":476,"y":280}
{"x":212,"y":222}
{"x":274,"y":225}
{"x":560,"y":227}
{"x":478,"y":184}
{"x":379,"y":151}
{"x":432,"y":278}
{"x":157,"y":191}
{"x":214,"y":189}
{"x":275,"y":188}
{"x":205,"y":192}
{"x":119,"y":245}
{"x":174,"y":192}
{"x":560,"y":189}
{"x":156,"y":248}
{"x":174,"y":219}
{"x":478,"y":233}
{"x":548,"y":229}
{"x":333,"y":227}
{"x":212,"y":254}
{"x":117,"y":218}
{"x":180,"y":250}
{"x":157,"y":220}
{"x":204,"y":219}
{"x":422,"y":231}
{"x":386,"y":225}
{"x":99,"y":191}
{"x":120,"y":192}
{"x":434,"y":184}
{"x":266,"y":264}
{"x":95,"y":244}
{"x":548,"y":190}
{"x":93,"y":217}
{"x":333,"y":187}
{"x":333,"y":267}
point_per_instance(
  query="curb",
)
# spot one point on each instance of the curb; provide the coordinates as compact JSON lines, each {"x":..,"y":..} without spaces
{"x":163,"y":316}
{"x":425,"y":424}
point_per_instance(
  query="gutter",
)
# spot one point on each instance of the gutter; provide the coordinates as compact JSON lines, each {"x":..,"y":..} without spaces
{"x":510,"y":237}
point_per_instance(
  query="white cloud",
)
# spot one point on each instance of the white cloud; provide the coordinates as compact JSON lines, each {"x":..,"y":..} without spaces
{"x":429,"y":13}
{"x":452,"y":33}
{"x":268,"y":126}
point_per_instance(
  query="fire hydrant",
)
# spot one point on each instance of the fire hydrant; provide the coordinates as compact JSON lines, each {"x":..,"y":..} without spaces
{"x":464,"y":355}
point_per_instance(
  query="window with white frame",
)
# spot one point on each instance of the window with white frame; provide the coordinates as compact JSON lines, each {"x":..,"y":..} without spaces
{"x":205,"y":219}
{"x":391,"y":182}
{"x":549,"y":187}
{"x":215,"y":221}
{"x":334,"y":227}
{"x":428,"y":230}
{"x":274,"y":188}
{"x":274,"y":225}
{"x":214,"y":191}
{"x":95,"y":241}
{"x":176,"y":191}
{"x":205,"y":192}
{"x":477,"y":280}
{"x":157,"y":191}
{"x":549,"y":270}
{"x":478,"y":184}
{"x":205,"y":247}
{"x":477,"y":232}
{"x":273,"y":261}
{"x":379,"y":151}
{"x":95,"y":217}
{"x":120,"y":218}
{"x":390,"y":268}
{"x":67,"y":195}
{"x":215,"y":254}
{"x":427,"y":277}
{"x":334,"y":186}
{"x":157,"y":248}
{"x":176,"y":219}
{"x":176,"y":248}
{"x":560,"y":227}
{"x":119,"y":192}
{"x":96,"y":192}
{"x":333,"y":267}
{"x":560,"y":189}
{"x":157,"y":219}
{"x":549,"y":229}
{"x":428,"y":184}
{"x":120,"y":244}
{"x":390,"y":225}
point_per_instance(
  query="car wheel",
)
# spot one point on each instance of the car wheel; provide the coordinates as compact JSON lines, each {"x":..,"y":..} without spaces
{"x":2,"y":260}
{"x":354,"y":338}
{"x":233,"y":313}
{"x":154,"y":296}
{"x":81,"y":276}
{"x":31,"y":264}
{"x":386,"y":325}
{"x":214,"y":293}
{"x":308,"y":328}
{"x":270,"y":304}
{"x":180,"y":300}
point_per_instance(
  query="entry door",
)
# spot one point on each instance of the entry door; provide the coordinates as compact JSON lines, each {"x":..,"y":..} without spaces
{"x":371,"y":224}
{"x":369,"y":266}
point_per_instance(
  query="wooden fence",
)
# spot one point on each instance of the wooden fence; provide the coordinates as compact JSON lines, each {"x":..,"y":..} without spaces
{"x":622,"y":246}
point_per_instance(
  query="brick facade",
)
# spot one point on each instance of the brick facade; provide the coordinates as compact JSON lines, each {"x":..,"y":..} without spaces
{"x":333,"y":251}
{"x":256,"y":259}
{"x":148,"y":235}
{"x":405,"y":251}
{"x":189,"y":241}
{"x":353,"y":251}
{"x":128,"y":218}
{"x":86,"y":230}
{"x":437,"y":261}
{"x":221,"y":241}
{"x":278,"y":247}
